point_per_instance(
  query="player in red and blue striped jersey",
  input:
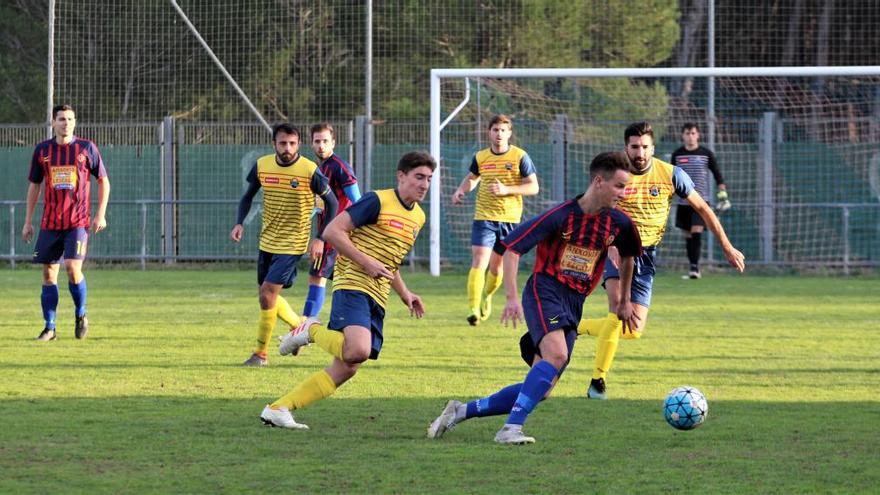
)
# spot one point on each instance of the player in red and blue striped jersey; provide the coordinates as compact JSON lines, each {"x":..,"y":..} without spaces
{"x":63,"y":164}
{"x":572,"y":240}
{"x":344,"y":185}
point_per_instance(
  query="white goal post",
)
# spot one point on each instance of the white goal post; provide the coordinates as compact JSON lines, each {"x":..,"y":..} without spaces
{"x":437,"y":124}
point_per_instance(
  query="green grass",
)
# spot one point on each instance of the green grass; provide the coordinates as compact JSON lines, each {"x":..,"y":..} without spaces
{"x":155,"y":400}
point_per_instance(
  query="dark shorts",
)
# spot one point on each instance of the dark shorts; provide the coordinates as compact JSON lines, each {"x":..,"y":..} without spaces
{"x":277,"y":268}
{"x":643,"y":276}
{"x":549,"y":306}
{"x":53,"y":245}
{"x":353,"y":307}
{"x":489,"y":233}
{"x":686,"y":217}
{"x":324,"y":268}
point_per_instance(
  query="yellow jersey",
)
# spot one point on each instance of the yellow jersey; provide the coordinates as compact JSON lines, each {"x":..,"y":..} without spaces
{"x":288,"y":200}
{"x":649,"y":195}
{"x":509,"y":168}
{"x":386,"y":229}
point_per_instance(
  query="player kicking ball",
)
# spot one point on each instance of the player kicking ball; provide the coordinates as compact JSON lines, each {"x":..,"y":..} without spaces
{"x":573,"y":240}
{"x":372,"y":237}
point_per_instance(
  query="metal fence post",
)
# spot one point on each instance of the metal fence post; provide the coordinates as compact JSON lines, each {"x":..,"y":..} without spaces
{"x":846,"y":246}
{"x":765,"y":172}
{"x":12,"y":236}
{"x":559,"y":138}
{"x":143,"y":236}
{"x":168,"y":189}
{"x":362,"y":168}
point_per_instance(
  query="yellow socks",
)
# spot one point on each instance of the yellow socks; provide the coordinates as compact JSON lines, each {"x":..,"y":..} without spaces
{"x":285,"y":312}
{"x":329,"y":340}
{"x":606,"y":347}
{"x":592,"y":326}
{"x":493,"y":282}
{"x":475,"y":283}
{"x":268,"y":317}
{"x":314,"y":388}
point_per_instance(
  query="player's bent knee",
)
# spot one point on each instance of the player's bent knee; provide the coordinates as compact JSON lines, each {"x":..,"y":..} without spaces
{"x":356,"y":355}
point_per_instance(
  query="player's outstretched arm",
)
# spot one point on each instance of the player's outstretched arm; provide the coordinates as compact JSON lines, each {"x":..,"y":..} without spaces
{"x":337,"y":233}
{"x":733,"y":255}
{"x":513,"y":312}
{"x":410,"y":300}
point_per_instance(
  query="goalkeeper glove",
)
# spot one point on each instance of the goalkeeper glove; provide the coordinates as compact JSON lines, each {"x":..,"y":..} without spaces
{"x":723,"y":203}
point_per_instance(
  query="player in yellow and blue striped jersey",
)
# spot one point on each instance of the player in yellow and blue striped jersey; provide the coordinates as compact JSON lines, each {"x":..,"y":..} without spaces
{"x":290,"y":183}
{"x":505,"y":173}
{"x":373,"y":236}
{"x":647,"y":201}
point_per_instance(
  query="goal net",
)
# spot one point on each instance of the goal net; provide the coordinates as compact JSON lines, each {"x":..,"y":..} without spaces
{"x":797,"y":147}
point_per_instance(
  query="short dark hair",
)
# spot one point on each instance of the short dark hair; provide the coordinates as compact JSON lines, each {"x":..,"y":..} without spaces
{"x":607,"y":164}
{"x":637,"y":129}
{"x":286,"y":128}
{"x":690,"y":125}
{"x":321,"y":127}
{"x":501,"y":119}
{"x":62,"y":108}
{"x":416,"y":159}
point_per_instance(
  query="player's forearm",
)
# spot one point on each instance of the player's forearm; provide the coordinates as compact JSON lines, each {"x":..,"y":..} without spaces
{"x":510,"y":262}
{"x":398,"y":285}
{"x":468,"y":184}
{"x":103,"y":197}
{"x":33,"y":193}
{"x":625,"y":269}
{"x":331,"y":205}
{"x":524,"y":189}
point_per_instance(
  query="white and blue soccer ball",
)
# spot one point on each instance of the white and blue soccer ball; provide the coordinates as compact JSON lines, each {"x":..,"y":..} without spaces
{"x":685,"y":408}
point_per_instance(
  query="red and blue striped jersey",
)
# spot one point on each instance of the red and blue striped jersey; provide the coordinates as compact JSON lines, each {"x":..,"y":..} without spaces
{"x":573,"y":245}
{"x":65,"y":169}
{"x":340,"y":175}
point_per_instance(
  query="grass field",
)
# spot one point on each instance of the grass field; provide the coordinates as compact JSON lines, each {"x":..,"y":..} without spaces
{"x":155,"y":400}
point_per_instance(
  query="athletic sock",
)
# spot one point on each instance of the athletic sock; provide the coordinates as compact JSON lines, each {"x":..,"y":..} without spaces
{"x":285,"y":312}
{"x":493,"y":281}
{"x":314,"y":388}
{"x":538,"y":381}
{"x":78,"y":292}
{"x":592,"y":326}
{"x":314,"y":300}
{"x":329,"y":340}
{"x":49,"y":303}
{"x":606,"y":346}
{"x":475,"y":283}
{"x":501,"y":402}
{"x":693,"y":245}
{"x":268,"y":318}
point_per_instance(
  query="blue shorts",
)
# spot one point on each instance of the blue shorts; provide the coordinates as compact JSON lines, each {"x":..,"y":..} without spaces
{"x":324,"y":269}
{"x":277,"y":268}
{"x":549,"y":306}
{"x":353,"y":307}
{"x":52,"y":245}
{"x":643,"y":276}
{"x":489,"y":233}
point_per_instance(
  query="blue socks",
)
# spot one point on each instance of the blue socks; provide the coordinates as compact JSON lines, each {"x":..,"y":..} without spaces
{"x":78,"y":292}
{"x":49,"y":302}
{"x":538,"y":381}
{"x":498,"y":403}
{"x":314,"y":300}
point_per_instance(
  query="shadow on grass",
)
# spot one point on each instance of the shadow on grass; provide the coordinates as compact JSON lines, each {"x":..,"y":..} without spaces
{"x":147,"y":444}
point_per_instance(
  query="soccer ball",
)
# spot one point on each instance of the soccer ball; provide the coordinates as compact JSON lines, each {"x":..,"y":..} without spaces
{"x":685,"y":408}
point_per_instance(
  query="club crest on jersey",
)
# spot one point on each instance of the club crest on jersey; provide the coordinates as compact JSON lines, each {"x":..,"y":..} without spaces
{"x":508,"y":166}
{"x":81,"y":158}
{"x":655,"y":191}
{"x":566,"y":236}
{"x":294,"y":183}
